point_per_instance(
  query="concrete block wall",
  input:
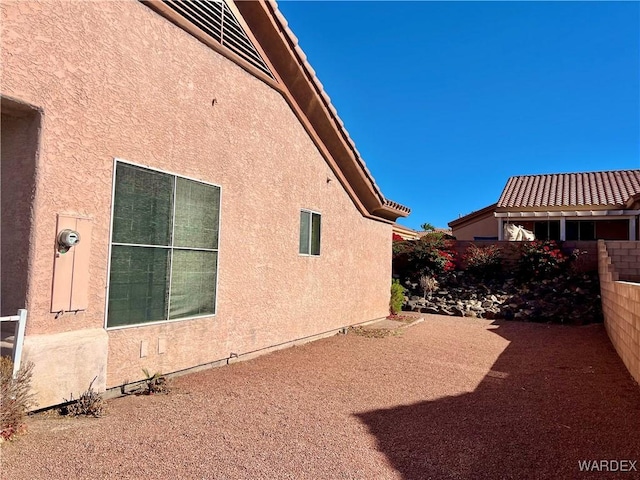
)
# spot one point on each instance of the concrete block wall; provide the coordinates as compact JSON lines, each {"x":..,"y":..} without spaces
{"x":621,"y":300}
{"x":625,"y":255}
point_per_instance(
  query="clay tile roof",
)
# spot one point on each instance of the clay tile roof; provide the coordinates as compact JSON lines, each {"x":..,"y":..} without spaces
{"x":396,"y":206}
{"x":602,"y":189}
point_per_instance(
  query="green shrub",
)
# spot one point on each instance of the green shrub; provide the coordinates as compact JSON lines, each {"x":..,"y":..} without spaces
{"x":483,"y":262}
{"x":397,"y":297}
{"x":15,"y":397}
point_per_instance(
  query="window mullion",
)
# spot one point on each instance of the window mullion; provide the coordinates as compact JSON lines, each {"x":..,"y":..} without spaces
{"x":122,"y":244}
{"x":173,"y":230}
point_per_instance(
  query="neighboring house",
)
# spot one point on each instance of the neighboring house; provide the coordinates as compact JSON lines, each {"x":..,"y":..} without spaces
{"x":573,"y":206}
{"x":220,"y":205}
{"x":567,"y":206}
{"x":478,"y":225}
{"x":444,"y":231}
{"x":405,"y":233}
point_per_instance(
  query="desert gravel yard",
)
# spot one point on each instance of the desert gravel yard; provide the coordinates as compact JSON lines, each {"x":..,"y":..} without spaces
{"x":447,"y":398}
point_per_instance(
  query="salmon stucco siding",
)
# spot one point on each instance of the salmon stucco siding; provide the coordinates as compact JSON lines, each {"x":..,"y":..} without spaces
{"x":115,"y":80}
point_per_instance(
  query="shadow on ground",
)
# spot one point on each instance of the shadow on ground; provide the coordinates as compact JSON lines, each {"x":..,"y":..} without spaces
{"x":548,"y":402}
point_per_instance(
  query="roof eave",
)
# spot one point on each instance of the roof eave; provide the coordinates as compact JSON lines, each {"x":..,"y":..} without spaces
{"x":557,"y":208}
{"x":470,"y":217}
{"x":311,"y":104}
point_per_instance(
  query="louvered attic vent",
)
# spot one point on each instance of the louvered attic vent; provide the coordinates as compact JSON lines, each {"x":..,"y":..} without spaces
{"x":216,"y":19}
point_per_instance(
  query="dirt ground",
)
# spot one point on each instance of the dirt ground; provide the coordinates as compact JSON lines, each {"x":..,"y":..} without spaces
{"x":447,"y":398}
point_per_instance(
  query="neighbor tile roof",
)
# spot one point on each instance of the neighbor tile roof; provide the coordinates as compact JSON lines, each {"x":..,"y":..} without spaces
{"x":610,"y":189}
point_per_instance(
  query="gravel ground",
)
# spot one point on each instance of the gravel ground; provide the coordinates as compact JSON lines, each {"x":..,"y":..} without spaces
{"x":447,"y":398}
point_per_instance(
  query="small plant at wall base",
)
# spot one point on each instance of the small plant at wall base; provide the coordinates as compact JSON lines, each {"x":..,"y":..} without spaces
{"x":155,"y":383}
{"x":397,"y":297}
{"x":16,"y":398}
{"x":90,"y":404}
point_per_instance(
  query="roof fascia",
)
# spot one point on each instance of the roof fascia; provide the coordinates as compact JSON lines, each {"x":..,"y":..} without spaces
{"x":545,"y":214}
{"x":312,"y":106}
{"x":473,"y":216}
{"x":559,"y":208}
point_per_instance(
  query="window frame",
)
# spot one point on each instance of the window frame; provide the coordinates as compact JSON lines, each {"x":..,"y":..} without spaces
{"x":579,"y":229}
{"x":116,"y":161}
{"x":310,"y":244}
{"x":547,"y":223}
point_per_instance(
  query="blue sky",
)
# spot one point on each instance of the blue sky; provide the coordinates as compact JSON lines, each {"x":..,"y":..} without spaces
{"x":446,"y":100}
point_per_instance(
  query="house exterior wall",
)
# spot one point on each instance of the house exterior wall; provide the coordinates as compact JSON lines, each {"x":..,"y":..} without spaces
{"x":116,"y":80}
{"x":621,"y":299}
{"x":484,"y":226}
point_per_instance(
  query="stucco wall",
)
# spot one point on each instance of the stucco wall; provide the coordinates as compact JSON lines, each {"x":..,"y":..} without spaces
{"x":485,"y":226}
{"x":114,"y":79}
{"x":621,"y":301}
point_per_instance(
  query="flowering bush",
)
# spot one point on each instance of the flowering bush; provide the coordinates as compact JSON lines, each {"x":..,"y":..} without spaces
{"x":483,"y":262}
{"x":541,"y":259}
{"x":448,"y":259}
{"x":396,"y":238}
{"x":427,"y":256}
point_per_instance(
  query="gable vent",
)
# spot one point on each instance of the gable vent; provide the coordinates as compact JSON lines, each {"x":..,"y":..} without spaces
{"x":216,"y":19}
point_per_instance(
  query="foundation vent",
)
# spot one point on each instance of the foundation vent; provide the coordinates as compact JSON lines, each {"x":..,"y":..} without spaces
{"x":215,"y":18}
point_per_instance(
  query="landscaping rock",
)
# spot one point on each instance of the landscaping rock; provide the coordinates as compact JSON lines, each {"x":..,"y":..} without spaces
{"x":564,"y":299}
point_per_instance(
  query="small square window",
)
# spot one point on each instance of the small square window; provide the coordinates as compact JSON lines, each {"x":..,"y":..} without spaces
{"x":310,"y":228}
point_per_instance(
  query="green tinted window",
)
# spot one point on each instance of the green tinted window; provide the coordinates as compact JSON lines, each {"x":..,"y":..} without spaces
{"x":143,"y":206}
{"x":305,"y":232}
{"x":197,"y":209}
{"x":193,"y":283}
{"x":309,"y":233}
{"x":138,"y":285}
{"x":163,"y":258}
{"x":315,"y":234}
